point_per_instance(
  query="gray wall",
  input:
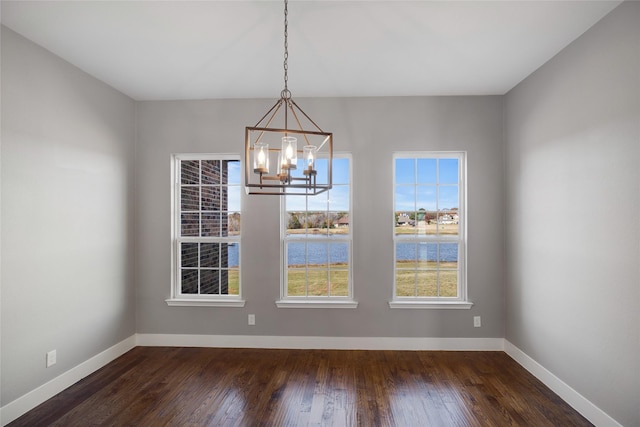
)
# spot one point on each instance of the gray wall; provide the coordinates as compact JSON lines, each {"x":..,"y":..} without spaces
{"x":371,"y":129}
{"x":67,"y":180}
{"x":572,"y":201}
{"x":573,"y":229}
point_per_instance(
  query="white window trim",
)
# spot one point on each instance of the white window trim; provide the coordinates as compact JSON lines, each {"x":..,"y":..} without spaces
{"x":316,"y":301}
{"x":177,"y":299}
{"x":462,"y":301}
{"x":291,"y":302}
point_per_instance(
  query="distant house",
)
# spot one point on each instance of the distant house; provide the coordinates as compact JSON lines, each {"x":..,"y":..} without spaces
{"x":448,"y":217}
{"x":403,"y":219}
{"x":342,"y":222}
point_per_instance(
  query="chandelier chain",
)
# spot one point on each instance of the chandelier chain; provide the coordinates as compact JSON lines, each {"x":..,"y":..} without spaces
{"x":285,"y":92}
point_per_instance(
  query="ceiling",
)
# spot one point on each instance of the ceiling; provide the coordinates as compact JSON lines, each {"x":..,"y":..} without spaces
{"x":154,"y":50}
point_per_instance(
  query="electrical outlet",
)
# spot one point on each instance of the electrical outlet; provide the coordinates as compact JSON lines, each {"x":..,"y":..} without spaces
{"x":252,"y":319}
{"x":51,"y":358}
{"x":477,"y":322}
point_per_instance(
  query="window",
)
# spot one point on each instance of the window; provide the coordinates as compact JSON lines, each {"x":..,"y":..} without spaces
{"x":429,"y":231}
{"x":206,"y":230}
{"x":317,"y":240}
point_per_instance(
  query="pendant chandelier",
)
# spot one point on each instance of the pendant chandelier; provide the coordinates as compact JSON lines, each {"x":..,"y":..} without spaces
{"x":274,"y":164}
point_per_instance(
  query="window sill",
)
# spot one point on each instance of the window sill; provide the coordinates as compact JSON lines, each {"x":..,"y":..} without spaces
{"x":316,"y":304}
{"x":185,"y":302}
{"x":453,"y":305}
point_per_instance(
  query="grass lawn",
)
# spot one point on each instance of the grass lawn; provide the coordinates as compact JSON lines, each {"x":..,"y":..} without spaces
{"x":409,"y":280}
{"x":322,"y":282}
{"x":331,"y":231}
{"x":234,"y":282}
{"x":424,"y":283}
{"x":428,"y":229}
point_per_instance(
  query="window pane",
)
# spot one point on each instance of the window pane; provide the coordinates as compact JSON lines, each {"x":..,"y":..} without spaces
{"x":406,"y":255}
{"x":211,"y":172}
{"x":339,"y":283}
{"x":210,"y":255}
{"x":211,"y":224}
{"x":448,"y":197}
{"x":339,"y":255}
{"x":296,"y":222}
{"x":426,"y":171}
{"x":211,"y":198}
{"x":190,"y":172}
{"x":448,"y":283}
{"x":448,"y":171}
{"x":427,"y":255}
{"x":296,"y":203}
{"x":317,"y":223}
{"x":427,"y":283}
{"x":321,"y":168}
{"x":210,"y":281}
{"x":426,"y":213}
{"x":234,"y":281}
{"x":339,"y":198}
{"x":190,"y":199}
{"x":317,"y":282}
{"x":317,"y":254}
{"x":325,"y":223}
{"x":233,"y":254}
{"x":233,"y":224}
{"x":233,"y":171}
{"x":190,"y":224}
{"x":317,"y":203}
{"x":405,"y":199}
{"x":296,"y":282}
{"x":340,"y":221}
{"x":404,"y":223}
{"x":405,"y":171}
{"x":426,"y":198}
{"x":233,"y":198}
{"x":340,"y":171}
{"x":189,"y":282}
{"x":189,"y":254}
{"x":405,"y":283}
{"x":448,"y":255}
{"x":224,"y":255}
{"x":296,"y":254}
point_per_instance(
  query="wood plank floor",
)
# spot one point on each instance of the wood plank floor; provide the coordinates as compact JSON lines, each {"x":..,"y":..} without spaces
{"x":158,"y":386}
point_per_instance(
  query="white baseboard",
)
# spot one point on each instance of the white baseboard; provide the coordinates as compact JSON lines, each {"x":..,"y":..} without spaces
{"x":328,"y":343}
{"x":578,"y":402}
{"x":25,"y":403}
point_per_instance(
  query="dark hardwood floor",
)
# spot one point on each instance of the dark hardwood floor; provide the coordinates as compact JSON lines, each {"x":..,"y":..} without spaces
{"x":158,"y":386}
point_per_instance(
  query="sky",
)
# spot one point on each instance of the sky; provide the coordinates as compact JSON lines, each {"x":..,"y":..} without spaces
{"x":233,"y":176}
{"x":336,"y":200}
{"x":426,"y":183}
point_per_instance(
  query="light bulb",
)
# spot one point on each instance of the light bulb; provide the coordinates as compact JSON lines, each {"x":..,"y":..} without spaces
{"x":289,"y":152}
{"x":261,"y":158}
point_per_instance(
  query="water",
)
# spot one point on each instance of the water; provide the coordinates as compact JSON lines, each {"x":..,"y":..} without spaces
{"x":338,"y":252}
{"x":447,"y":252}
{"x":233,"y":253}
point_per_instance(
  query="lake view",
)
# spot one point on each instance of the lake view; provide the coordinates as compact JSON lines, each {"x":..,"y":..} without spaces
{"x":338,"y":252}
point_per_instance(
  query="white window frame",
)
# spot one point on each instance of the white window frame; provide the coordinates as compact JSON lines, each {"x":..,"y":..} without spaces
{"x":415,"y":302}
{"x":287,"y":301}
{"x":177,"y":298}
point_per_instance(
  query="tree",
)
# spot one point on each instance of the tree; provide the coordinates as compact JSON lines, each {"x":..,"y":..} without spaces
{"x":294,"y":222}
